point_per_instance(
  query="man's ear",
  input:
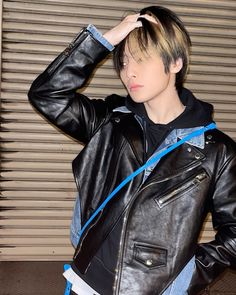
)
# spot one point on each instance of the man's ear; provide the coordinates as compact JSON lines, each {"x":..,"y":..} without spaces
{"x":176,"y":66}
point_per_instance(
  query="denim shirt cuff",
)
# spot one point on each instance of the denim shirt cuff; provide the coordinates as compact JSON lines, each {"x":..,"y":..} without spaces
{"x":99,"y":37}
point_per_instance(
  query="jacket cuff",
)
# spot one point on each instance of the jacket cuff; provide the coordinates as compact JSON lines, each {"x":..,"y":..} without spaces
{"x":99,"y":37}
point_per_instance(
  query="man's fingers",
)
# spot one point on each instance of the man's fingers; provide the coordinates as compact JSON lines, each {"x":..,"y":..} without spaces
{"x":149,"y":18}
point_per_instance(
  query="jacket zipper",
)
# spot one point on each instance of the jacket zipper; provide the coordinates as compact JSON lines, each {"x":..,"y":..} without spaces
{"x":168,"y":197}
{"x":67,"y":51}
{"x":116,"y":285}
{"x":200,"y":177}
{"x":123,"y":232}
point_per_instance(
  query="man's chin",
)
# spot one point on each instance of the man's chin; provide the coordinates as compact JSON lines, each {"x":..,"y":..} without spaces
{"x":137,"y":99}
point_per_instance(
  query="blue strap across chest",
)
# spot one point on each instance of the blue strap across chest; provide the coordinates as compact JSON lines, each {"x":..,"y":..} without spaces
{"x":154,"y":159}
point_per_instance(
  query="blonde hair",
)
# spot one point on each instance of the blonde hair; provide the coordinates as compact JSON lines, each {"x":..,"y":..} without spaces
{"x":168,"y":36}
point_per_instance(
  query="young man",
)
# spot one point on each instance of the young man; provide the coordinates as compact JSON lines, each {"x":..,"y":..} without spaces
{"x":145,"y":239}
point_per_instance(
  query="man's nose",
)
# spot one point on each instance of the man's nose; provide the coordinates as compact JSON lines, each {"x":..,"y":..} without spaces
{"x":131,"y":72}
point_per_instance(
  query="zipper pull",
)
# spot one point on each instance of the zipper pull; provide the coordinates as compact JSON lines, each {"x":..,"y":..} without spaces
{"x":201,"y":176}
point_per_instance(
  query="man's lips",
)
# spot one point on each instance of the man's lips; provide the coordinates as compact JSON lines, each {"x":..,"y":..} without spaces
{"x":133,"y":87}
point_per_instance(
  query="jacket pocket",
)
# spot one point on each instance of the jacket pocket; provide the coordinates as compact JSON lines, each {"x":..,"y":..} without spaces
{"x":150,"y":256}
{"x":181,"y":190}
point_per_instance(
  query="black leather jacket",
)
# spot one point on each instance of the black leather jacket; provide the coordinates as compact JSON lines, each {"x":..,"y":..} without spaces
{"x":164,"y":215}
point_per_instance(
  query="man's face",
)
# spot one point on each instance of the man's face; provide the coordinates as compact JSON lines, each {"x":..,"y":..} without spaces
{"x":144,"y":76}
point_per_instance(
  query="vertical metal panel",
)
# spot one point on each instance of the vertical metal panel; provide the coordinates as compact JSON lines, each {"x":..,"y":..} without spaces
{"x":37,"y":188}
{"x":0,"y":46}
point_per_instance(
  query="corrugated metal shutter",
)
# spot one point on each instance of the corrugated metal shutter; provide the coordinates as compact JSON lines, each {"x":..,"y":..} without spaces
{"x":37,"y":188}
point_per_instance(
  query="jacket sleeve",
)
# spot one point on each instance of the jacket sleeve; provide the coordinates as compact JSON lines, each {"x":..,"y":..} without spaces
{"x":212,"y":258}
{"x":54,"y":92}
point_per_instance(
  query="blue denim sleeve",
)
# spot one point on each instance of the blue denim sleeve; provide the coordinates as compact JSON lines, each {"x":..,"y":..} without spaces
{"x":75,"y":226}
{"x":97,"y":35}
{"x":180,"y":285}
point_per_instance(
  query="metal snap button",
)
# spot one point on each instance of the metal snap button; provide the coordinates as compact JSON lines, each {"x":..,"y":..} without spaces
{"x":149,"y":262}
{"x":117,"y":120}
{"x":197,"y":156}
{"x":189,"y":149}
{"x":209,"y":136}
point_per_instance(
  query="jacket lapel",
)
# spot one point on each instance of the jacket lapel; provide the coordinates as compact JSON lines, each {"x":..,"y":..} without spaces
{"x":188,"y":156}
{"x":132,"y":131}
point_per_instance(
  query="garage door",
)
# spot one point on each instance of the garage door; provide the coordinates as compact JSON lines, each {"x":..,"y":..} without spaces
{"x":37,"y":187}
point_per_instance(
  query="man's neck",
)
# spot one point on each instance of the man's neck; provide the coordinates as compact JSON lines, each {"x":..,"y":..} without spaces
{"x":165,"y":109}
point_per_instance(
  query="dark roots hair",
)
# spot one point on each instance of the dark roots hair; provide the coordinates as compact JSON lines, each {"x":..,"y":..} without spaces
{"x":168,"y":36}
